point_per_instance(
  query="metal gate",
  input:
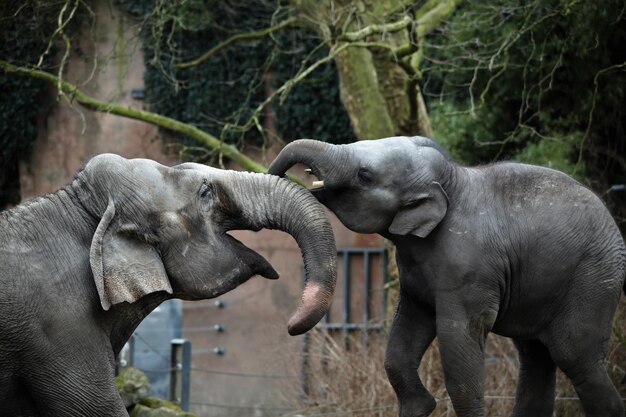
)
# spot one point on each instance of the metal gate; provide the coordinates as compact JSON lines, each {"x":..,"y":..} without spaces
{"x":360,"y":301}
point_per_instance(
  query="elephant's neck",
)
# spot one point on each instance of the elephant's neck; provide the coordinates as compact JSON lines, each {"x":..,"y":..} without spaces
{"x":122,"y":319}
{"x":54,"y":223}
{"x":459,"y":181}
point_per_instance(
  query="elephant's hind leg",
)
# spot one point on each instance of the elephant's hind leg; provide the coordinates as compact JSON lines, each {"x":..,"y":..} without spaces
{"x":412,"y":331}
{"x":578,"y":344}
{"x":597,"y":393}
{"x":536,"y":382}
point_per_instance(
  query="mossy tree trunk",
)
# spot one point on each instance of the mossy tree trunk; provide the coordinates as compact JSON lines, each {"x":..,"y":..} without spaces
{"x":379,"y":75}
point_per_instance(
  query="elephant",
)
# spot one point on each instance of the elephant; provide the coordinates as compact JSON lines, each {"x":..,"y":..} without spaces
{"x":519,"y":250}
{"x":81,"y":267}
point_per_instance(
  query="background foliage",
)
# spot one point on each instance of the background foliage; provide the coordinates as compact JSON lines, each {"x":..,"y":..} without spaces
{"x":221,"y":94}
{"x":541,"y":82}
{"x":25,"y":29}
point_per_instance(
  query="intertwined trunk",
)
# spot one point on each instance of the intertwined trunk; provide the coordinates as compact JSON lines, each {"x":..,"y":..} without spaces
{"x":274,"y":203}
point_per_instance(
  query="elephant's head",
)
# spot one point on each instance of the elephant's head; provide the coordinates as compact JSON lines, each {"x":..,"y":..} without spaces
{"x":164,"y":229}
{"x":391,"y":185}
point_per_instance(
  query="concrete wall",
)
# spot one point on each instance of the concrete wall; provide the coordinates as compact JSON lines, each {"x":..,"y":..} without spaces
{"x":256,"y":342}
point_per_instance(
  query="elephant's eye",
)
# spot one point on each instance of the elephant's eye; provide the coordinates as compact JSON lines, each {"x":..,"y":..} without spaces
{"x":206,"y":190}
{"x":365,"y":176}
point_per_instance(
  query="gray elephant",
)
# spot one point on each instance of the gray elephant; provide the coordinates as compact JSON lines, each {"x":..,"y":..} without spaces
{"x":80,"y":269}
{"x":518,"y":250}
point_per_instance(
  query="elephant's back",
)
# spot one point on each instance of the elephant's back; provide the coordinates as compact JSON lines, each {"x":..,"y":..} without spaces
{"x":543,"y":204}
{"x":561,"y":242}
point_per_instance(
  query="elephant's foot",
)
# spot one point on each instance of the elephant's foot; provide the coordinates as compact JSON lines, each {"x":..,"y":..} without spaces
{"x":417,"y":407}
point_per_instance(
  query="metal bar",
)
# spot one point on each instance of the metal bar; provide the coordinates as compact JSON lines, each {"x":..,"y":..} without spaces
{"x":346,"y":294}
{"x":219,"y":328}
{"x":360,"y":250}
{"x":200,"y":305}
{"x":305,"y":366}
{"x":180,"y":364}
{"x":350,"y":326}
{"x":383,"y":271}
{"x":126,"y":357}
{"x":366,"y":284}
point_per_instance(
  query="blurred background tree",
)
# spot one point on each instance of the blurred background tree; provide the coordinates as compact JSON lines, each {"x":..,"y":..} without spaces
{"x":541,"y":81}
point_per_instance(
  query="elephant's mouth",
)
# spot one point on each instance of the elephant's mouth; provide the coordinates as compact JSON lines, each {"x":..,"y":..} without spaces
{"x":317,"y":187}
{"x":317,"y":183}
{"x":256,"y":263}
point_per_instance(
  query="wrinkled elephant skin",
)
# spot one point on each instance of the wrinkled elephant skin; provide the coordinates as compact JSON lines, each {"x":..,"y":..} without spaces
{"x":519,"y":250}
{"x":80,"y":269}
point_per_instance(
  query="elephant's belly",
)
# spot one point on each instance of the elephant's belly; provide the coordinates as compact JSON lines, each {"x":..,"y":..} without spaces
{"x":530,"y":310}
{"x":521,"y":326}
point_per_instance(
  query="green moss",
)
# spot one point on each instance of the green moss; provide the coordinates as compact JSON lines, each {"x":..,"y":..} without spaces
{"x":133,"y":385}
{"x":156,"y":407}
{"x":158,"y":403}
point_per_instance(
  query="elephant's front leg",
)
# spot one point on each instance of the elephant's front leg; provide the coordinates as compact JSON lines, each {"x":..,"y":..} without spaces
{"x":412,"y":331}
{"x":537,"y":379}
{"x":461,"y":343}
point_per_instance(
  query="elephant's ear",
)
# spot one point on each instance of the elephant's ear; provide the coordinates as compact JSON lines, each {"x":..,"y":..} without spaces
{"x":124,"y":267}
{"x":422,"y":214}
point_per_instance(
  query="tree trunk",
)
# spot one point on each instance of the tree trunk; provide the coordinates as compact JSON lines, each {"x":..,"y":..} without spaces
{"x":361,"y":95}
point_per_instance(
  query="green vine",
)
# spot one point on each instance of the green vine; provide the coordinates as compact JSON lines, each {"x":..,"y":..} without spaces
{"x":219,"y":94}
{"x":26,"y":30}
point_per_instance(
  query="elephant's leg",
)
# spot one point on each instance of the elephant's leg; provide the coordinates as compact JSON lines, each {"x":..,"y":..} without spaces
{"x":578,"y":343}
{"x":462,"y":338}
{"x":412,"y":331}
{"x":584,"y":366}
{"x":597,"y":394}
{"x":536,"y":382}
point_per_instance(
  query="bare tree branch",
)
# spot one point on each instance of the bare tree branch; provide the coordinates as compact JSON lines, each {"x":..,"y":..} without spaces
{"x":74,"y":93}
{"x":376,"y":29}
{"x":433,"y":15}
{"x":238,"y":37}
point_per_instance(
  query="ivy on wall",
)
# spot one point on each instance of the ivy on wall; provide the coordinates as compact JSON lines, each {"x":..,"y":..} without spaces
{"x":220,"y":95}
{"x":24,"y":31}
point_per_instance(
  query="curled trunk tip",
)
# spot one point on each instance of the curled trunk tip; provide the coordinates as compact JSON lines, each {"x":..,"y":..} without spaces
{"x":310,"y":311}
{"x":306,"y":151}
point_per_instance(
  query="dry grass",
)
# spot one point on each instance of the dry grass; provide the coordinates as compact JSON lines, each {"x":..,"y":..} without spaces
{"x":352,"y":381}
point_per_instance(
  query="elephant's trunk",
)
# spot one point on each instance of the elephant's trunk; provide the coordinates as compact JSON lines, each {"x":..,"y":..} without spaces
{"x":292,"y":209}
{"x":311,"y":153}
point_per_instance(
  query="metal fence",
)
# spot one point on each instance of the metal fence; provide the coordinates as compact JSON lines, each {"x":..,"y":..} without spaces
{"x":371,"y":301}
{"x":157,"y":350}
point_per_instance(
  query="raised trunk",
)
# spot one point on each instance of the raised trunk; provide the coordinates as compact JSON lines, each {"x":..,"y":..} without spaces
{"x":304,"y":151}
{"x":274,"y":203}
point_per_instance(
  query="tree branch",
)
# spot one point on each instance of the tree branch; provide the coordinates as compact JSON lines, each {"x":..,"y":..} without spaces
{"x":239,"y":37}
{"x":74,"y":93}
{"x":433,"y":16}
{"x":375,"y":29}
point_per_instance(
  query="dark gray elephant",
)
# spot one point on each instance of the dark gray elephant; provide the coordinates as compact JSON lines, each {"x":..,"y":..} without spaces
{"x":518,"y":250}
{"x":80,"y":269}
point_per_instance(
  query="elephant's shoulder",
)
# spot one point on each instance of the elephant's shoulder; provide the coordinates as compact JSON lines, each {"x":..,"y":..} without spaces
{"x":514,"y":175}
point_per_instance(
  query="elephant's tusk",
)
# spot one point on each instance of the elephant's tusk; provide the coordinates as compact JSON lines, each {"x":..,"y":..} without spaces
{"x":317,"y":184}
{"x":308,"y":171}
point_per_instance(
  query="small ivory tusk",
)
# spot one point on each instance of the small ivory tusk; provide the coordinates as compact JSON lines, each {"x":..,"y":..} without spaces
{"x":317,"y":184}
{"x":309,"y":171}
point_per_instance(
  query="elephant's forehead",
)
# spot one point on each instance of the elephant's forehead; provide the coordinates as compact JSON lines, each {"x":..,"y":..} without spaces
{"x":192,"y":169}
{"x":377,"y":151}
